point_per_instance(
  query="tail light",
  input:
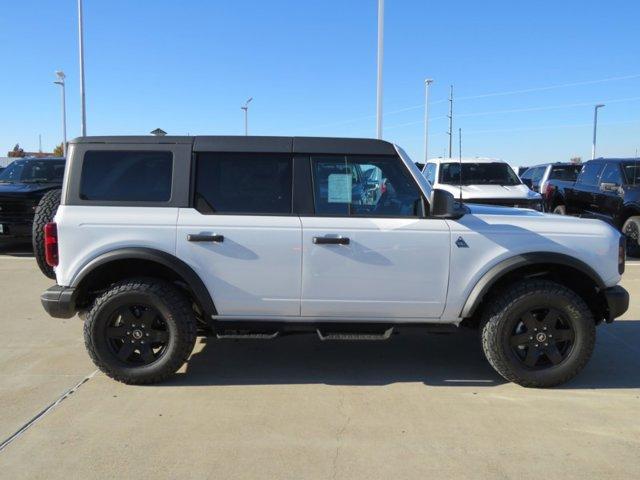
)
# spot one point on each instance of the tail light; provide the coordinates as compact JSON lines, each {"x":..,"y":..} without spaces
{"x":548,"y":191}
{"x":622,"y":253}
{"x":51,"y":244}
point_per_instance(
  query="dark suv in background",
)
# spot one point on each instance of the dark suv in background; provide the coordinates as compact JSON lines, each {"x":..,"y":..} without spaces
{"x":538,"y":176}
{"x":22,"y":184}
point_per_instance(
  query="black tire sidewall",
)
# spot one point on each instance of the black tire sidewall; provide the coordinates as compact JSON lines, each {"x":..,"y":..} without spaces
{"x":560,"y":210}
{"x":45,"y":211}
{"x":633,"y":248}
{"x":96,"y":339}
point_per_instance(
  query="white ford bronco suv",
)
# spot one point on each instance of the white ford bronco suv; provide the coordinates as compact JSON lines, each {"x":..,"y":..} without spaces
{"x":160,"y":239}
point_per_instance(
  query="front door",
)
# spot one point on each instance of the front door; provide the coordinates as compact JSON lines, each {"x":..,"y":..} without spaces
{"x":241,"y":236}
{"x":368,"y":253}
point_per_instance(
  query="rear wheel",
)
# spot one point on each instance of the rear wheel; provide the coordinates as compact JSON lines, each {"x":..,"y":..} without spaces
{"x":45,"y":211}
{"x":560,"y":210}
{"x":140,"y":331}
{"x":631,"y":230}
{"x":538,"y":334}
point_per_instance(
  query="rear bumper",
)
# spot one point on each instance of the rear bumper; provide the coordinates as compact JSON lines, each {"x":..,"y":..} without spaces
{"x":59,"y":302}
{"x":617,"y":302}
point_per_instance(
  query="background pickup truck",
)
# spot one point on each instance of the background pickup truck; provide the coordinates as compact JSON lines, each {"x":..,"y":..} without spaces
{"x":608,"y":189}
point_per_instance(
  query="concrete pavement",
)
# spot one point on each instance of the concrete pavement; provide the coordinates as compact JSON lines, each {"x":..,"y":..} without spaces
{"x":297,"y":408}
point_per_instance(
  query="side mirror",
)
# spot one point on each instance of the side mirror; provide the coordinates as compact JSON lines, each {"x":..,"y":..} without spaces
{"x":609,"y":187}
{"x":442,"y":204}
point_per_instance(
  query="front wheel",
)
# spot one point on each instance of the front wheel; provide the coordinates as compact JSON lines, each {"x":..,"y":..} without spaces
{"x":631,"y":230}
{"x":538,"y":334}
{"x":560,"y":210}
{"x":140,"y":331}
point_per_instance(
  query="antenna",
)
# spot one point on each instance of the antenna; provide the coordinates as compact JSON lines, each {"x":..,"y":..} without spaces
{"x":460,"y":160}
{"x":450,"y":119}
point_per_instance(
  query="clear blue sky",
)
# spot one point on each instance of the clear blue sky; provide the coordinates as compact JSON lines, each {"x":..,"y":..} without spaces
{"x":188,"y":66}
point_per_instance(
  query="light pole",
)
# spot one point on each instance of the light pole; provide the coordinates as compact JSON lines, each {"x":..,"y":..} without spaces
{"x":427,"y":83}
{"x":246,"y":116}
{"x":380,"y":61}
{"x":61,"y":76}
{"x":595,"y":128}
{"x":83,"y":116}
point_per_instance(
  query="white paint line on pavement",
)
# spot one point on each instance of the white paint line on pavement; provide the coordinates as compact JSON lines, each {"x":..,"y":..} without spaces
{"x":44,"y":412}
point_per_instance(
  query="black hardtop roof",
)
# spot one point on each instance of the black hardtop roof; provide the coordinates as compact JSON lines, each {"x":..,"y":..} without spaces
{"x":222,"y":143}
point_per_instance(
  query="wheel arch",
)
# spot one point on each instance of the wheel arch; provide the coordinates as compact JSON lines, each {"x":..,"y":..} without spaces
{"x":142,"y":262}
{"x":562,"y":268}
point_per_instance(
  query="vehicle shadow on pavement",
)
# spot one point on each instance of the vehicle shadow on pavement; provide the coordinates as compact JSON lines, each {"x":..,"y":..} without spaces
{"x":16,"y":250}
{"x":435,"y":360}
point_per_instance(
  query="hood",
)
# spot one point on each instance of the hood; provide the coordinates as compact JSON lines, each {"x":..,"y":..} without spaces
{"x":478,"y":209}
{"x":492,"y":191}
{"x":25,"y":189}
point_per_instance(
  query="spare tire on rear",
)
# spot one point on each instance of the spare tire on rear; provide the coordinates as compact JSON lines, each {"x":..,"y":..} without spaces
{"x":45,"y":211}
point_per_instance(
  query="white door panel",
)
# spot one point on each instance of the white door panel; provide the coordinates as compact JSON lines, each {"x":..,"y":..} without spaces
{"x":255,"y":270}
{"x":391,"y":268}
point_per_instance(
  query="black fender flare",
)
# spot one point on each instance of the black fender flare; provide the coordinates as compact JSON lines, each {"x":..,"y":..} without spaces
{"x":495,"y":273}
{"x":191,"y":278}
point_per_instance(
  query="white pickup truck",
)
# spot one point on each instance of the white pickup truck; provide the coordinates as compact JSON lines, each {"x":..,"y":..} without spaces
{"x":160,"y":239}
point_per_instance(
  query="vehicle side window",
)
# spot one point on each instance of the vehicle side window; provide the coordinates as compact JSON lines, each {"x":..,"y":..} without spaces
{"x":133,"y":176}
{"x":381,"y":188}
{"x":430,"y":173}
{"x":611,"y":174}
{"x":527,"y":174}
{"x":243,"y":183}
{"x":536,"y":175}
{"x":589,"y":174}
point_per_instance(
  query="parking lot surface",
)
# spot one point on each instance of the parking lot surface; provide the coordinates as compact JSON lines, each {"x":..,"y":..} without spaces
{"x":413,"y":407}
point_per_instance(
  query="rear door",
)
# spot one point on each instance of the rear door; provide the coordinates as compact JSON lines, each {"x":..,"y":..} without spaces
{"x":368,"y":251}
{"x":610,"y":196}
{"x":582,"y":197}
{"x":241,"y":235}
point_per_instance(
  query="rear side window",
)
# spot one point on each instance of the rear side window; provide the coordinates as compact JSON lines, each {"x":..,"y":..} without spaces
{"x":568,"y":173}
{"x":243,"y":183}
{"x":127,"y":176}
{"x":589,"y":174}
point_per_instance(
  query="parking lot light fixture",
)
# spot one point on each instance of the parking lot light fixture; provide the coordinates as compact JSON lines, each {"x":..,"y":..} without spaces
{"x":595,"y":128}
{"x":246,"y":115}
{"x":60,"y":81}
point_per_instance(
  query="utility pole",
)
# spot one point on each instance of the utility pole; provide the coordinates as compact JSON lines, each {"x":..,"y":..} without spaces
{"x":39,"y":143}
{"x":380,"y":61}
{"x":61,"y":76}
{"x":450,"y":121}
{"x":246,"y":116}
{"x":460,"y":144}
{"x":595,"y":128}
{"x":83,"y":108}
{"x":427,"y":83}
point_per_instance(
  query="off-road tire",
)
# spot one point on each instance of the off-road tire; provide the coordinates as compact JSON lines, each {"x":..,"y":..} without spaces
{"x":176,"y":311}
{"x":496,"y":331}
{"x":560,"y":210}
{"x":45,"y":211}
{"x":631,"y":230}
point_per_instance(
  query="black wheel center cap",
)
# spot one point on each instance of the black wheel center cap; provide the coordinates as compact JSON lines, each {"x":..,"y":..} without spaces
{"x":137,"y":334}
{"x":541,"y":337}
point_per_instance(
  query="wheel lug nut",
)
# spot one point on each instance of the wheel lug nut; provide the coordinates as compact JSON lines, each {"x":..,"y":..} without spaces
{"x":530,"y":338}
{"x":535,"y":329}
{"x":546,"y":344}
{"x":128,"y":332}
{"x":147,"y":334}
{"x":550,"y":336}
{"x":132,"y":341}
{"x":536,"y":345}
{"x":134,"y":325}
{"x":141,"y":341}
{"x":543,"y":328}
{"x":143,"y":326}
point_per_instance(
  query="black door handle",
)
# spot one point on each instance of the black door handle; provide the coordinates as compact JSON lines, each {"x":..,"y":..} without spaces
{"x":331,"y":240}
{"x":198,"y":237}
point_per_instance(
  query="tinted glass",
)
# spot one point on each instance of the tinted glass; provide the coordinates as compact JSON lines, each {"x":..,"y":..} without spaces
{"x":491,"y":173}
{"x":33,"y":171}
{"x":243,"y":183}
{"x":589,"y":174}
{"x":126,"y":176}
{"x":568,"y":173}
{"x":430,"y":173}
{"x":527,"y":174}
{"x":611,"y":174}
{"x":364,"y":186}
{"x":632,"y":172}
{"x":537,"y":174}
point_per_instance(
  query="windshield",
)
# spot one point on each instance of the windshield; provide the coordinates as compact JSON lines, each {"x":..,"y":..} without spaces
{"x":632,"y":172}
{"x":493,"y":173}
{"x":33,"y":171}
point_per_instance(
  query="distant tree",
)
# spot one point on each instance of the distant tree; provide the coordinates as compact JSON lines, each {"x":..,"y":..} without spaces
{"x":576,"y":160}
{"x":58,"y":151}
{"x":17,"y":152}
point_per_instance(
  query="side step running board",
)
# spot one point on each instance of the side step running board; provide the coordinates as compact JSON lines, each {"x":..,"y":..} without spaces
{"x":237,"y":335}
{"x":355,"y":336}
